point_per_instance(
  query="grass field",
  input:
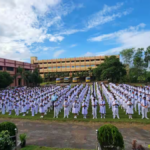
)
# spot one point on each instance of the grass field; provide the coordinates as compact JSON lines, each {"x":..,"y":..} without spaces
{"x":46,"y":148}
{"x":109,"y":117}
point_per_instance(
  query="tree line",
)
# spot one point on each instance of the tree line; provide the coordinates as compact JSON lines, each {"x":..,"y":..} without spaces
{"x":31,"y":78}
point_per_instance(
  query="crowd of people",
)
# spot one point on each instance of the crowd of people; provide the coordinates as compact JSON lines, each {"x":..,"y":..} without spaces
{"x":78,"y":98}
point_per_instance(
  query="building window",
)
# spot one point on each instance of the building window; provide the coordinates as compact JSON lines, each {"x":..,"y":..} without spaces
{"x":72,"y":66}
{"x":92,"y":65}
{"x":87,"y":65}
{"x":54,"y":67}
{"x":92,"y":60}
{"x":63,"y":61}
{"x":63,"y":66}
{"x":77,"y":66}
{"x":82,"y":60}
{"x":68,"y":66}
{"x":1,"y":68}
{"x":10,"y":69}
{"x":87,"y":60}
{"x":58,"y":67}
{"x":49,"y":67}
{"x":77,"y":61}
{"x":82,"y":66}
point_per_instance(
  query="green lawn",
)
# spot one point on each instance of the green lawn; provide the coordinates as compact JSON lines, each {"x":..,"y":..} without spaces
{"x":46,"y":148}
{"x":109,"y":117}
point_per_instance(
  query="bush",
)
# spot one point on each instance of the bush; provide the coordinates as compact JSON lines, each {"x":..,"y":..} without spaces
{"x":23,"y":139}
{"x":8,"y":126}
{"x":109,"y":136}
{"x":5,"y":141}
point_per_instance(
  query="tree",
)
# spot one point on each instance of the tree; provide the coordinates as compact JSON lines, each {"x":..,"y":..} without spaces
{"x":127,"y":55}
{"x":5,"y":141}
{"x":5,"y":79}
{"x":36,"y":78}
{"x":111,"y":69}
{"x":110,"y":138}
{"x":138,"y":58}
{"x":147,"y":56}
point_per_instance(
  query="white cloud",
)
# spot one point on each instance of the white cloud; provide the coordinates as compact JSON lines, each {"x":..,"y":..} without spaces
{"x":134,"y":36}
{"x":58,"y":53}
{"x":103,"y":16}
{"x":106,"y":15}
{"x":89,"y":54}
{"x":55,"y":38}
{"x":26,"y":22}
{"x":73,"y":45}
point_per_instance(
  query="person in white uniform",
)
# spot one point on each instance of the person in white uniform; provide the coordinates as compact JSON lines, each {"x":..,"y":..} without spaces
{"x":66,"y":104}
{"x":144,"y":105}
{"x":84,"y":109}
{"x":94,"y":105}
{"x":130,"y":108}
{"x":75,"y":109}
{"x":102,"y":108}
{"x":115,"y":109}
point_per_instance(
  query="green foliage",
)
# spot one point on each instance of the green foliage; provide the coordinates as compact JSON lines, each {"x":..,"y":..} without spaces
{"x":5,"y":141}
{"x":9,"y":126}
{"x":22,"y":137}
{"x":5,"y":79}
{"x":147,"y":56}
{"x":127,"y":55}
{"x":111,"y":69}
{"x":109,"y":135}
{"x":138,"y":58}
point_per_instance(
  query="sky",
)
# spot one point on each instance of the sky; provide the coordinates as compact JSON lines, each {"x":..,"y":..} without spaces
{"x":50,"y":29}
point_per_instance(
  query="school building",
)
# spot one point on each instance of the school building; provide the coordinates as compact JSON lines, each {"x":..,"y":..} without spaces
{"x":11,"y":67}
{"x":68,"y":64}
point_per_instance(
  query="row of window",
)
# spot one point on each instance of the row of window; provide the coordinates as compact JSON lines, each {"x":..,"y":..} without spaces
{"x":70,"y":61}
{"x":11,"y":68}
{"x":69,"y":66}
{"x":7,"y":68}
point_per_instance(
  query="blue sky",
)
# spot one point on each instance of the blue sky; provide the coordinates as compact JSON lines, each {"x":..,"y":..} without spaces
{"x":71,"y":28}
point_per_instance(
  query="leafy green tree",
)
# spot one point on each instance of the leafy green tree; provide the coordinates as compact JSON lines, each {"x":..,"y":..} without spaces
{"x":5,"y":79}
{"x":111,"y":69}
{"x":5,"y":141}
{"x":36,"y":78}
{"x":138,"y":58}
{"x":147,"y":56}
{"x":127,"y":55}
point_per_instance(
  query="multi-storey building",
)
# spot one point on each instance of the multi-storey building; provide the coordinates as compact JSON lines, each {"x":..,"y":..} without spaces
{"x":68,"y":64}
{"x":11,"y":67}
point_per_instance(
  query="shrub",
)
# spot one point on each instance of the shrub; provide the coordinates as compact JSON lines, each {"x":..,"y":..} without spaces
{"x":109,"y":136}
{"x":8,"y":126}
{"x":22,"y":137}
{"x":5,"y":141}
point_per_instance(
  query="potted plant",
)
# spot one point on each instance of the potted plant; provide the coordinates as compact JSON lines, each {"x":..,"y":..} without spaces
{"x":110,"y":138}
{"x":23,"y":139}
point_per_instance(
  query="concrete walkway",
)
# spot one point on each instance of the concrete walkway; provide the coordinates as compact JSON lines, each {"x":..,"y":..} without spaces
{"x":76,"y":135}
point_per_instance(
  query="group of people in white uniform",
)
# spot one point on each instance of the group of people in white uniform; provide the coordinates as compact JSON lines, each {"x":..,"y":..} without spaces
{"x":78,"y":98}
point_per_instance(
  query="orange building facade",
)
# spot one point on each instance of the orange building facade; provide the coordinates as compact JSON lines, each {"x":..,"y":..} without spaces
{"x":11,"y":67}
{"x":70,"y":65}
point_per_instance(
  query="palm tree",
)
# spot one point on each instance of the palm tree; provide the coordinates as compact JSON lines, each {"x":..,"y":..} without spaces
{"x":21,"y":73}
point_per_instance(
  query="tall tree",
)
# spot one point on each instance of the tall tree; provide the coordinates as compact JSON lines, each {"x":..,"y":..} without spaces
{"x":111,"y":69}
{"x":147,"y":56}
{"x":127,"y":55}
{"x":138,"y":58}
{"x":5,"y":79}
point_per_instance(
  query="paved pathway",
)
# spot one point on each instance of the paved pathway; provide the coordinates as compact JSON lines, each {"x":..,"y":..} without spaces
{"x":76,"y":135}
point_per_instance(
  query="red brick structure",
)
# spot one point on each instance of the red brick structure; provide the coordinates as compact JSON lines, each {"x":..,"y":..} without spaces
{"x":11,"y":67}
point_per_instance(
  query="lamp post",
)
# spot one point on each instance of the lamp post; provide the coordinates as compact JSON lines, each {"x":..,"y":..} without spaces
{"x":96,"y":140}
{"x":16,"y":131}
